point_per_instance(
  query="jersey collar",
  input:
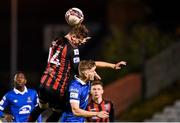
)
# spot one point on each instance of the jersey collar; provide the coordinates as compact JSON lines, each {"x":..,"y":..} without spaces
{"x":79,"y":80}
{"x":19,"y":92}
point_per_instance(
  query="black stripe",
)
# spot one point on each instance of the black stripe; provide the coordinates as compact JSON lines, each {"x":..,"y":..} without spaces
{"x":56,"y":70}
{"x":65,"y":72}
{"x":48,"y":66}
{"x":100,"y":109}
{"x":45,"y":81}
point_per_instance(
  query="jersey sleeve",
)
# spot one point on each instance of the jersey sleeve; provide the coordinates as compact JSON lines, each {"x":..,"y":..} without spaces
{"x":74,"y":93}
{"x":3,"y":104}
{"x":111,"y":113}
{"x":75,"y":59}
{"x":36,"y":99}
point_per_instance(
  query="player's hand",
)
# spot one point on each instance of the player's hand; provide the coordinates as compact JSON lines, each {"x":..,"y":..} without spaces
{"x":97,"y":77}
{"x":85,"y":40}
{"x":119,"y":65}
{"x":103,"y":114}
{"x":8,"y":117}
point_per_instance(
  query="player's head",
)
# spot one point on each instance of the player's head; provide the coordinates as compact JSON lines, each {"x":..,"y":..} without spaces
{"x":79,"y":34}
{"x":87,"y":69}
{"x":19,"y":80}
{"x":97,"y":89}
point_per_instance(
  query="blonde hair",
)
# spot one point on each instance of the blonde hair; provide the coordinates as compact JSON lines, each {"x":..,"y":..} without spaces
{"x":85,"y":65}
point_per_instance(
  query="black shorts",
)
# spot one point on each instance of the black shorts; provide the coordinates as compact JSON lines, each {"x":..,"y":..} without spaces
{"x":52,"y":97}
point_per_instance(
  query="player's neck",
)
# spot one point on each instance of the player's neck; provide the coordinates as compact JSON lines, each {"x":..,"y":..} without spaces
{"x":98,"y":100}
{"x":21,"y":89}
{"x":84,"y":79}
{"x":69,"y":39}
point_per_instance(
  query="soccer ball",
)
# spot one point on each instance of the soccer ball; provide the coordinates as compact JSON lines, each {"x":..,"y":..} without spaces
{"x":74,"y":16}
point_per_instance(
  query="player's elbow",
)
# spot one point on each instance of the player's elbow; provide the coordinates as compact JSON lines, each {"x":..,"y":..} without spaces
{"x":76,"y":111}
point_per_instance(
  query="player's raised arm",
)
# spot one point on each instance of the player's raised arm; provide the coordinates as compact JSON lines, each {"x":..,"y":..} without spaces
{"x":110,"y":65}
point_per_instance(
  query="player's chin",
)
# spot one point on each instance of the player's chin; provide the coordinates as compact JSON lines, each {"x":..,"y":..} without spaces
{"x":92,"y":79}
{"x":19,"y":85}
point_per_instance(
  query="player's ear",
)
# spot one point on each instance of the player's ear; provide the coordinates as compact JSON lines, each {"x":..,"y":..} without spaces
{"x":15,"y":76}
{"x":25,"y":81}
{"x":102,"y":91}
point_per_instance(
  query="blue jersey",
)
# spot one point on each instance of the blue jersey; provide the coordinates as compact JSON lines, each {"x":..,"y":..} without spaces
{"x":20,"y":103}
{"x":78,"y":92}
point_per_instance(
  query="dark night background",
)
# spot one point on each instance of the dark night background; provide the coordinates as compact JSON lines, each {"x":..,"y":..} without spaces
{"x":34,"y":15}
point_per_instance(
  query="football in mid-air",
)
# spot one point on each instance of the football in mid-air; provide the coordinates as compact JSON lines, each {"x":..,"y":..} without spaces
{"x":74,"y":16}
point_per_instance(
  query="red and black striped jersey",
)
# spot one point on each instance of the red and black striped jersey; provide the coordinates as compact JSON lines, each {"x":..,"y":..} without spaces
{"x":103,"y":106}
{"x":62,"y":64}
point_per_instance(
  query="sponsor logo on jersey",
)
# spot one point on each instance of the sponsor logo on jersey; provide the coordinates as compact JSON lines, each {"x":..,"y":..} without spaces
{"x":76,"y":59}
{"x":25,"y":109}
{"x":76,"y":52}
{"x":73,"y":95}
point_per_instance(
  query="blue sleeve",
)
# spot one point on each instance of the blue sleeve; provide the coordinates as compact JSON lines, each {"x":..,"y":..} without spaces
{"x":36,"y":99}
{"x":74,"y":92}
{"x":3,"y":104}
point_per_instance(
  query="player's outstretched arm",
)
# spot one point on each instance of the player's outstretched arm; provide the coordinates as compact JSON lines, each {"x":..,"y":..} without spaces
{"x":116,"y":66}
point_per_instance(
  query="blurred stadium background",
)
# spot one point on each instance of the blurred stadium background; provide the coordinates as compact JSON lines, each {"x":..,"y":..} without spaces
{"x":145,"y":33}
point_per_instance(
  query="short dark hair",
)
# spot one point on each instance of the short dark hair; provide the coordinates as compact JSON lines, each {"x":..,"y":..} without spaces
{"x":80,"y":31}
{"x":96,"y":82}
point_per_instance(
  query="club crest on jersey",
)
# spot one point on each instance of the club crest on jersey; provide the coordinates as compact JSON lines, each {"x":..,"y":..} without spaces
{"x":15,"y":101}
{"x":29,"y":99}
{"x":76,"y":52}
{"x":76,"y":59}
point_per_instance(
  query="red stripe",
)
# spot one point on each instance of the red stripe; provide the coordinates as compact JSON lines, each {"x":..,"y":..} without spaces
{"x":89,"y":109}
{"x":64,"y":82}
{"x":97,"y":108}
{"x":52,"y":75}
{"x":43,"y":78}
{"x":103,"y":109}
{"x":64,"y":52}
{"x":109,"y":109}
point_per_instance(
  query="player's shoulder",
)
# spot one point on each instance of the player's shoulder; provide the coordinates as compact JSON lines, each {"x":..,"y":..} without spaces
{"x":75,"y":84}
{"x":9,"y":93}
{"x":58,"y":41}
